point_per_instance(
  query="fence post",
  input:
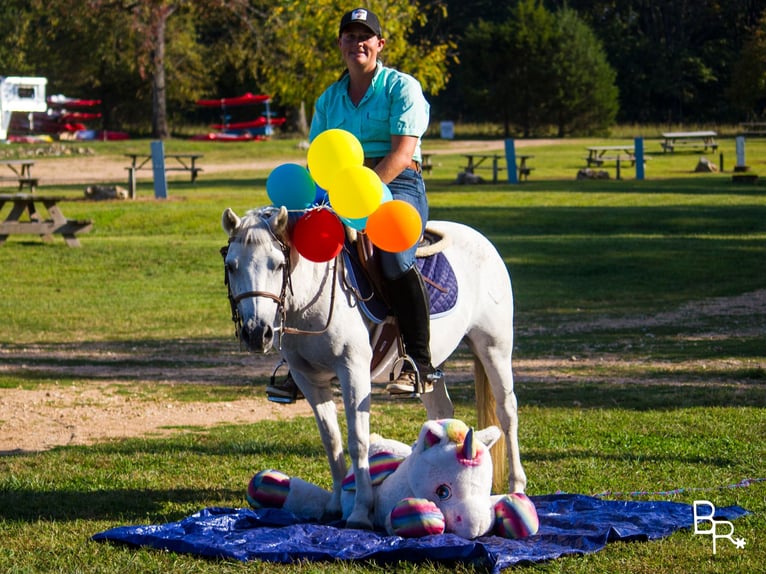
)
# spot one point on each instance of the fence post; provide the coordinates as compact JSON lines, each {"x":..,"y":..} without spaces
{"x":638,"y":154}
{"x":510,"y":161}
{"x":158,"y":169}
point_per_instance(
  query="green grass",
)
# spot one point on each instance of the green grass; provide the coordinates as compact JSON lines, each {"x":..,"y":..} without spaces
{"x":685,"y":407}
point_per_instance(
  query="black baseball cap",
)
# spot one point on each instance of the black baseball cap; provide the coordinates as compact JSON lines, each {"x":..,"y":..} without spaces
{"x":361,"y":16}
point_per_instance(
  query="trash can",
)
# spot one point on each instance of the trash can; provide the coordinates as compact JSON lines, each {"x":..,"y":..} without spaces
{"x":447,"y":130}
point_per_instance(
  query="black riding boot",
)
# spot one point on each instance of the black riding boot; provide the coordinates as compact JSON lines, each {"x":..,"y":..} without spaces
{"x":410,"y":302}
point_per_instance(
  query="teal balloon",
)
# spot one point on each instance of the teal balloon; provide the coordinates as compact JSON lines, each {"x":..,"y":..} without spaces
{"x":291,"y":185}
{"x":387,"y":196}
{"x":358,"y":224}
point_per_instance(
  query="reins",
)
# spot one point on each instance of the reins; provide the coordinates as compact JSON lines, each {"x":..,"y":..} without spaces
{"x":280,"y":299}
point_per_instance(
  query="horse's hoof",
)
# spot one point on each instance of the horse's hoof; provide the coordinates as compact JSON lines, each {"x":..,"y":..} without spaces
{"x":328,"y":517}
{"x":359,"y":525}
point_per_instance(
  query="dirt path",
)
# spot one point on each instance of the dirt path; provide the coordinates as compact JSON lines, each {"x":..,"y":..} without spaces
{"x":98,"y":391}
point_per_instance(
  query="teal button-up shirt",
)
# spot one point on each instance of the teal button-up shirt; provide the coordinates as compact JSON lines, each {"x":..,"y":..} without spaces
{"x":393,"y":105}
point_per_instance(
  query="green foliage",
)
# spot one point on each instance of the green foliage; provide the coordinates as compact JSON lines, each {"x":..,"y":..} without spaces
{"x":585,"y":101}
{"x":543,"y":69}
{"x":296,"y":70}
{"x":748,"y":84}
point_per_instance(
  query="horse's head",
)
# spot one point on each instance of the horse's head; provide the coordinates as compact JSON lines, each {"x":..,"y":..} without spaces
{"x":257,"y":267}
{"x":451,"y":467}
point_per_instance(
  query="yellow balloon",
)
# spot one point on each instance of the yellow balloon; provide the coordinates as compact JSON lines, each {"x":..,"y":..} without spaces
{"x":330,"y":152}
{"x":355,"y":192}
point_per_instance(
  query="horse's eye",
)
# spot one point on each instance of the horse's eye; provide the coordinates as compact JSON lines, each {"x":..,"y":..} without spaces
{"x":231,"y":266}
{"x":443,"y":491}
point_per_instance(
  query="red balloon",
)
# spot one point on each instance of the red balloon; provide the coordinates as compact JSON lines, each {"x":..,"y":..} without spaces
{"x":395,"y":226}
{"x":318,"y":235}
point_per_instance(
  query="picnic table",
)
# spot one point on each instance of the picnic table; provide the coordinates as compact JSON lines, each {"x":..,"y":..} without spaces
{"x":705,"y":139}
{"x":182,"y":162}
{"x":475,"y":161}
{"x":57,"y":222}
{"x":22,"y":173}
{"x":523,"y":169}
{"x":601,"y":154}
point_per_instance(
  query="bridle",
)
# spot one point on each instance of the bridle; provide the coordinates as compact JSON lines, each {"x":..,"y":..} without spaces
{"x":280,"y":299}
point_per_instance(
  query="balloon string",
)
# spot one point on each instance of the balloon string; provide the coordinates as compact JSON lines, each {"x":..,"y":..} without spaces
{"x":744,"y":483}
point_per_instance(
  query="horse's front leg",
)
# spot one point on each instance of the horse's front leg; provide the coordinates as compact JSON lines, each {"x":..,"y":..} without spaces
{"x":321,"y":401}
{"x":356,"y":386}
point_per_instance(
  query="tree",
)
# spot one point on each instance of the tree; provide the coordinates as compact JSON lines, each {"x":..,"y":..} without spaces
{"x":748,"y":86}
{"x":586,"y":98}
{"x":297,"y":54}
{"x":538,"y":69}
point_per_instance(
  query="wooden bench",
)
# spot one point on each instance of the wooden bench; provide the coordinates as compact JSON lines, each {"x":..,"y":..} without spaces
{"x":689,"y":139}
{"x":57,"y":223}
{"x":30,"y":182}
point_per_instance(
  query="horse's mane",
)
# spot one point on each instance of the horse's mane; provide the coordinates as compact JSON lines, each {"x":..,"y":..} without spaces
{"x":251,"y":222}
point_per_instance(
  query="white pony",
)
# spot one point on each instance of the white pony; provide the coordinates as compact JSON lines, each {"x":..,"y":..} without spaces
{"x":306,"y":310}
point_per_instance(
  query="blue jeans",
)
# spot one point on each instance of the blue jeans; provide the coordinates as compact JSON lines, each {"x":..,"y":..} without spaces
{"x":410,"y":187}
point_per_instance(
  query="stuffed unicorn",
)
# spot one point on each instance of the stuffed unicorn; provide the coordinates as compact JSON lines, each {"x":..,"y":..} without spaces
{"x":441,"y":484}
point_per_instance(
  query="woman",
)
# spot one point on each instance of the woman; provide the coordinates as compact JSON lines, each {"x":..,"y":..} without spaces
{"x":387,"y":112}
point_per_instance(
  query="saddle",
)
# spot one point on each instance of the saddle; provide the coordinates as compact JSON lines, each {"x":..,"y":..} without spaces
{"x":365,"y":278}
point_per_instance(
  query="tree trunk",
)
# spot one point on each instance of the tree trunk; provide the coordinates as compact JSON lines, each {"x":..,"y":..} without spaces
{"x":159,"y":90}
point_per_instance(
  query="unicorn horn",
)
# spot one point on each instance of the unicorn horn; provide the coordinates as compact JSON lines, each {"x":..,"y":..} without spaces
{"x":470,"y":450}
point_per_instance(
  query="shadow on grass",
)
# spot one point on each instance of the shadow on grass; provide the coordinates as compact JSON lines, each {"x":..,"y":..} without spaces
{"x":639,"y":396}
{"x":129,"y":505}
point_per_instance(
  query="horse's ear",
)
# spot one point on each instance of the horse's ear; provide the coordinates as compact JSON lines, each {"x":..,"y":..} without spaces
{"x":279,"y":224}
{"x":488,"y":436}
{"x":230,"y":221}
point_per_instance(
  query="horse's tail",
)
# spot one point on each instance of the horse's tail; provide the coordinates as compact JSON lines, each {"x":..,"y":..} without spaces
{"x":486,"y":416}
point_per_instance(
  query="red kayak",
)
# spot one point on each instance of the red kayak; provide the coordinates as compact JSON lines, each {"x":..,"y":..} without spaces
{"x":246,"y":100}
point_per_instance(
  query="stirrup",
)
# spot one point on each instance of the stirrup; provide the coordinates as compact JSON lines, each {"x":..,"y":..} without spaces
{"x":286,"y":391}
{"x":419,"y":386}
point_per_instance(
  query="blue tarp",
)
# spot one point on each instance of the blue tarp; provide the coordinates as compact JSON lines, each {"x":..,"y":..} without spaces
{"x":569,"y":524}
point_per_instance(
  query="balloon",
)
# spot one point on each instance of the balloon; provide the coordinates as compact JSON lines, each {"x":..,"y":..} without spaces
{"x":318,"y":235}
{"x":332,"y":151}
{"x":360,"y":223}
{"x":356,"y":192}
{"x":290,"y":185}
{"x":386,"y":194}
{"x":395,"y":226}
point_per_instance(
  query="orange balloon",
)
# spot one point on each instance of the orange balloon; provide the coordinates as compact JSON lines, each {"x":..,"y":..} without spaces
{"x":395,"y":226}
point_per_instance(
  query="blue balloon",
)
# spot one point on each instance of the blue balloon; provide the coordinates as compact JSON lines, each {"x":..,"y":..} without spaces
{"x":291,"y":185}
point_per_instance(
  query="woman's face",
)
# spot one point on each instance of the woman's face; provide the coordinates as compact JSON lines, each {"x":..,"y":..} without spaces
{"x":360,"y":47}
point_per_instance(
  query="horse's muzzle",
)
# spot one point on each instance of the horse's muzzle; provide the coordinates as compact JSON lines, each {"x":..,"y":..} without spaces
{"x":257,"y":336}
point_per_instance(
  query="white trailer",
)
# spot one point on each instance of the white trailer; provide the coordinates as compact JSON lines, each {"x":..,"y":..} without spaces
{"x":20,"y":94}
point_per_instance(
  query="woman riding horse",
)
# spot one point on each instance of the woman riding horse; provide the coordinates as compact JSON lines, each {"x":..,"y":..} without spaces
{"x":387,"y":112}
